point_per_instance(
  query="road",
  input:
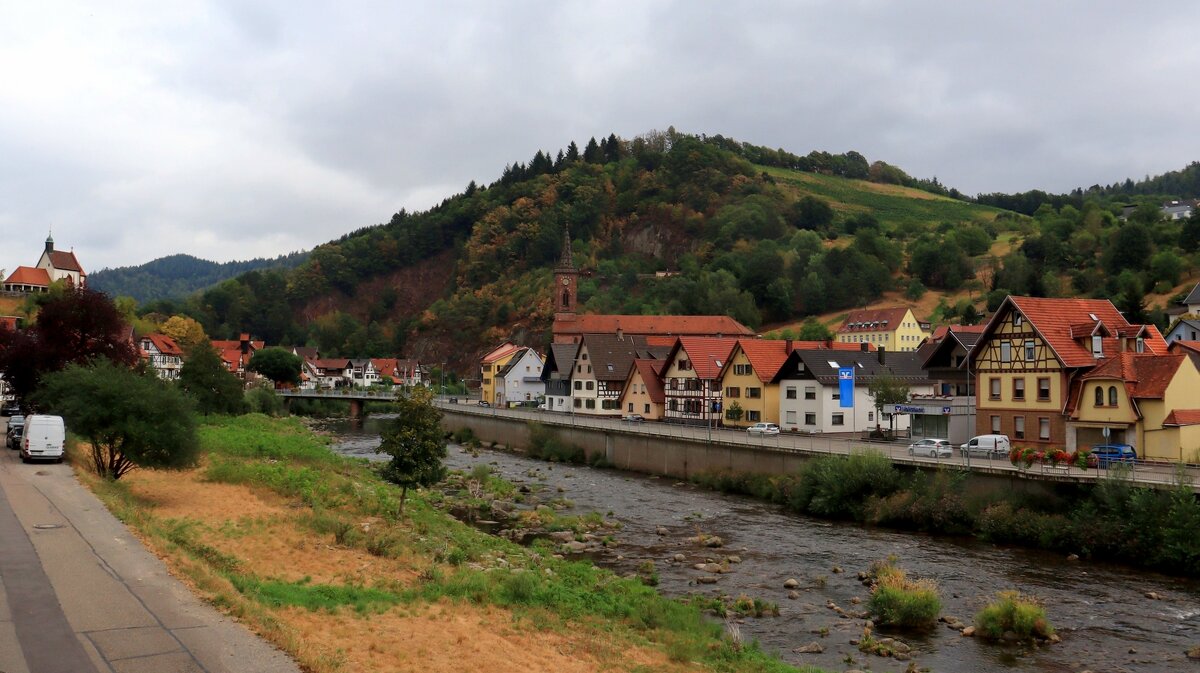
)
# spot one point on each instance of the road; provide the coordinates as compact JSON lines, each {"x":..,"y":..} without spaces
{"x":1151,"y":474}
{"x":79,"y":594}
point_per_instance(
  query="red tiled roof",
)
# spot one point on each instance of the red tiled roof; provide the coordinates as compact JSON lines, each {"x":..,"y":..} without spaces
{"x":386,"y":366}
{"x":765,"y":356}
{"x":1061,"y":321}
{"x":707,"y":354}
{"x":165,"y":344}
{"x":28,"y":275}
{"x":1183,"y":417}
{"x":65,"y":261}
{"x":8,"y":322}
{"x":1145,"y":376}
{"x":504,"y":349}
{"x":650,"y":370}
{"x":646,"y":325}
{"x":224,"y":344}
{"x":1181,"y":346}
{"x":874,"y":319}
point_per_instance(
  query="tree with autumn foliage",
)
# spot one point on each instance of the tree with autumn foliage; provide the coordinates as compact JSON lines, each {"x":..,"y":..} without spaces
{"x":75,"y":326}
{"x":185,"y":331}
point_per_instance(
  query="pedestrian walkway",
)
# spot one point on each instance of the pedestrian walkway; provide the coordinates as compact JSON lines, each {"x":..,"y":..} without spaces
{"x":79,"y":594}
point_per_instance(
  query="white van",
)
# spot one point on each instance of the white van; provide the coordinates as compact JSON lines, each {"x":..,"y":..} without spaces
{"x":44,"y":438}
{"x":992,"y":446}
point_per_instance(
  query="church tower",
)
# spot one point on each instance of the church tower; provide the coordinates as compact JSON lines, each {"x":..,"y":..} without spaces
{"x":566,"y":282}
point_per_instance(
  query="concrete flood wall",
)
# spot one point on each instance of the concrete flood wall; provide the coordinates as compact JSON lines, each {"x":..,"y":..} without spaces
{"x":679,"y":458}
{"x":634,"y":451}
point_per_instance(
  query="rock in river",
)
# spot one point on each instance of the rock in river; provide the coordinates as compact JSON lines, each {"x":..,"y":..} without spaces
{"x":811,"y":648}
{"x":791,"y":584}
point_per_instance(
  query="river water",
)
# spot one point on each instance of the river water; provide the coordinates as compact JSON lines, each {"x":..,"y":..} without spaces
{"x":1100,"y":610}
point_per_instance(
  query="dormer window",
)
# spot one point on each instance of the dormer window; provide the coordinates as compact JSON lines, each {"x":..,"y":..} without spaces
{"x":1141,"y":345}
{"x":1097,"y":346}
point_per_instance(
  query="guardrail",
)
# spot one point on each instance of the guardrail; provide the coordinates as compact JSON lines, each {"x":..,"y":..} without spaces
{"x":1147,"y":473}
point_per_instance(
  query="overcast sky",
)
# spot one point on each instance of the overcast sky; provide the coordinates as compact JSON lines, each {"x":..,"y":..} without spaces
{"x":235,"y":129}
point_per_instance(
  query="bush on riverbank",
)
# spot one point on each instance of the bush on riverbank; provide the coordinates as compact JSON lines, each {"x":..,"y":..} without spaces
{"x":1114,"y":519}
{"x":1014,"y":613}
{"x":545,"y":444}
{"x":899,"y":600}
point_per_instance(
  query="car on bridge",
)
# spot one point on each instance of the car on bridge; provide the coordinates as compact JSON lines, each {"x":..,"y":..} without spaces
{"x":1107,"y":454}
{"x":934,"y":448}
{"x":763,"y":429}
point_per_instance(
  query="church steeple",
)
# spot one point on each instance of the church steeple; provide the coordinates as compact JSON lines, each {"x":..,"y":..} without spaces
{"x":565,"y":260}
{"x":566,"y":278}
{"x":49,"y":241}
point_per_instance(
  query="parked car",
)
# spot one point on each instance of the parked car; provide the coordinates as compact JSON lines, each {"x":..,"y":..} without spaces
{"x":483,"y":403}
{"x":11,"y":409}
{"x":934,"y":448}
{"x":15,"y":421}
{"x":1107,"y":454}
{"x":633,"y":418}
{"x":44,"y":438}
{"x":763,"y":429}
{"x":990,"y":446}
{"x":13,"y":438}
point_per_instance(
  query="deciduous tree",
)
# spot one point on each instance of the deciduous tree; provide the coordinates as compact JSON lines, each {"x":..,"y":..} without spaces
{"x":130,"y":419}
{"x":416,"y":444}
{"x":204,"y":378}
{"x":277,"y":364}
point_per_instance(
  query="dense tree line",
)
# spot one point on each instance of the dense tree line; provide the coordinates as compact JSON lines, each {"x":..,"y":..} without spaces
{"x":178,"y":276}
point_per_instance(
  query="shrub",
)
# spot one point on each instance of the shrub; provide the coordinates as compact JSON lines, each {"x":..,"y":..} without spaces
{"x":899,"y":600}
{"x":837,"y":486}
{"x":1012,"y":611}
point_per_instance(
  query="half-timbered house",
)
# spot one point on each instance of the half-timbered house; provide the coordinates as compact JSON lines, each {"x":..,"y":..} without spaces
{"x":691,"y":380}
{"x":1034,"y":351}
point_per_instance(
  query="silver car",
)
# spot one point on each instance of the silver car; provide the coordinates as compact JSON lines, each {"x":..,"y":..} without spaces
{"x":934,"y":448}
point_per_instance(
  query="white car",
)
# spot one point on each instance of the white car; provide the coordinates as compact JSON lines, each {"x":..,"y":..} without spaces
{"x":763,"y":429}
{"x":934,"y":448}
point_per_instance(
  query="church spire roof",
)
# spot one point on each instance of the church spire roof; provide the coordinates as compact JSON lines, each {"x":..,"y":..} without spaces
{"x":566,"y":261}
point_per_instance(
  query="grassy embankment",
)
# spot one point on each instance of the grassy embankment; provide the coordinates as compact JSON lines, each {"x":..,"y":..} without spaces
{"x":306,"y":548}
{"x":1113,"y":519}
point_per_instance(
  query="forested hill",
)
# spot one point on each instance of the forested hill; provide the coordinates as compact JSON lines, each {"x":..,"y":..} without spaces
{"x":178,"y":276}
{"x":1180,"y":184}
{"x":767,"y":243}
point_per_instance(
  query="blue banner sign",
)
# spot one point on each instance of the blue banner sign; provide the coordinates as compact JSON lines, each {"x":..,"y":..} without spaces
{"x":846,"y":387}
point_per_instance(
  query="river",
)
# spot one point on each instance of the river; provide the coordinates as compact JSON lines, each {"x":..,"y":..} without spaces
{"x":1101,"y":610}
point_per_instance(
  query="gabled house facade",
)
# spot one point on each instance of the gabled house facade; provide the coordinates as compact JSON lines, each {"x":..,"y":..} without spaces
{"x":519,"y":381}
{"x":1031,"y":356}
{"x":1143,"y":400}
{"x":895,"y":328}
{"x":749,"y":394}
{"x":691,"y":380}
{"x":490,"y":365}
{"x":163,"y":355}
{"x":361,"y":373}
{"x":643,"y":392}
{"x":330,"y":373}
{"x":810,"y":393}
{"x":556,"y":376}
{"x":602,"y":366}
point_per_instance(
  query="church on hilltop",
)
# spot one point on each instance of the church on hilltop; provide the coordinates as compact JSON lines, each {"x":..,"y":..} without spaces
{"x":569,"y":327}
{"x":53,"y":265}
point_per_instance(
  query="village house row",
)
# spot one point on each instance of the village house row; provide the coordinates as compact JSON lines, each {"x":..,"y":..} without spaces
{"x":1061,"y":373}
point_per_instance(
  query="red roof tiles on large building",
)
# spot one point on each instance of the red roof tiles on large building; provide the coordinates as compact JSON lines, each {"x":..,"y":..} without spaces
{"x":1065,"y":323}
{"x":28,"y":275}
{"x":648,"y":325}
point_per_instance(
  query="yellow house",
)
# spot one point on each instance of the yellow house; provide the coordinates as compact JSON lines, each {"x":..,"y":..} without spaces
{"x":643,"y":391}
{"x":746,"y":382}
{"x":491,"y":365}
{"x":1145,"y":400}
{"x":1034,"y":351}
{"x":895,"y":328}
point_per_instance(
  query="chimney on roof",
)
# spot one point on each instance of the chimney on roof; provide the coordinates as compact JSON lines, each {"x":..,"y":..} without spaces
{"x":620,"y":333}
{"x":882,"y":350}
{"x":787,"y":346}
{"x":829,"y":342}
{"x":864,"y":347}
